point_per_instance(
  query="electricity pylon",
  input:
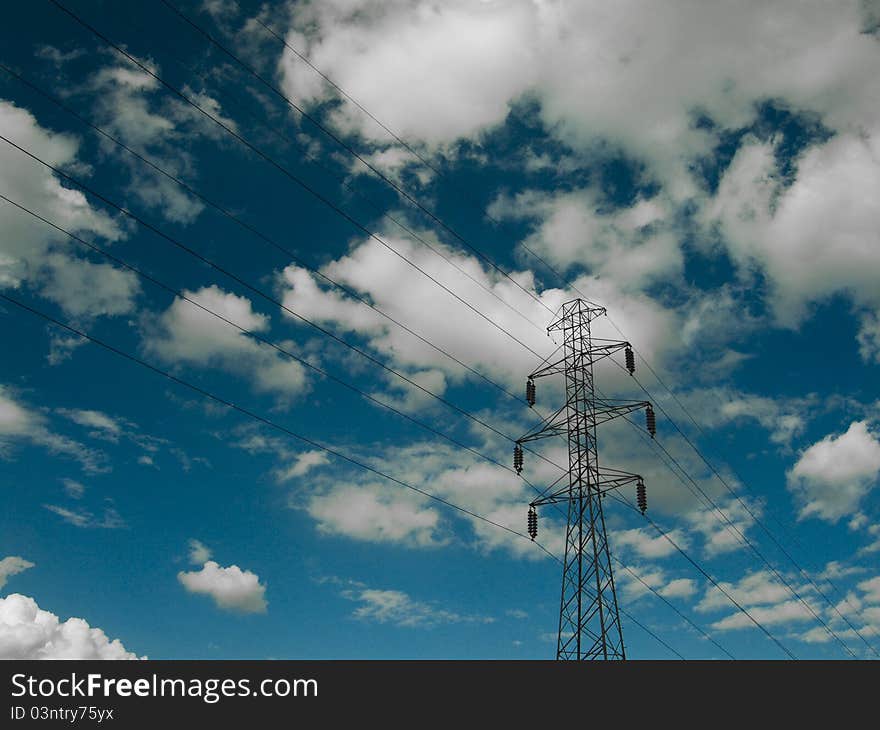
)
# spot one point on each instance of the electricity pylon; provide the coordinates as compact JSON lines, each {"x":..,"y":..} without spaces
{"x":589,"y":621}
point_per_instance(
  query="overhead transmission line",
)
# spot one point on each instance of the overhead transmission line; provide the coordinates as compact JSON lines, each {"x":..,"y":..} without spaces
{"x":304,"y":362}
{"x":434,"y":169}
{"x":260,"y":153}
{"x":304,"y":439}
{"x":741,"y":537}
{"x":179,"y":293}
{"x":708,"y":577}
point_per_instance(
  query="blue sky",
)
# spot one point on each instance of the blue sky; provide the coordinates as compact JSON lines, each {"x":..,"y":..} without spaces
{"x":710,"y":173}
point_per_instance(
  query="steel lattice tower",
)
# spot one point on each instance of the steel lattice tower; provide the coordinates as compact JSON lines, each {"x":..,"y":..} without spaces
{"x":589,"y":621}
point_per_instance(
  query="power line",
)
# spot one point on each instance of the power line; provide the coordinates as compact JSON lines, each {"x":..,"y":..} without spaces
{"x":259,"y":338}
{"x":287,"y":173}
{"x":329,"y":133}
{"x":283,"y":429}
{"x":653,"y":590}
{"x":268,"y":297}
{"x":265,"y":421}
{"x":707,"y":576}
{"x":745,"y":541}
{"x":671,"y":605}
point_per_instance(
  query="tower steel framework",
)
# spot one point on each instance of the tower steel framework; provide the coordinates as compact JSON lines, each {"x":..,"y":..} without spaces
{"x":589,"y":621}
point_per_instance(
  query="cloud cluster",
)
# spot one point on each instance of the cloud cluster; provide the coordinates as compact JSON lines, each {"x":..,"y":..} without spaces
{"x":29,"y":632}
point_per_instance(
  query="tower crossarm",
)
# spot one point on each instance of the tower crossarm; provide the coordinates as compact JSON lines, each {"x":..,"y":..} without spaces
{"x":595,"y":353}
{"x":556,"y":424}
{"x":608,"y":480}
{"x":607,"y":410}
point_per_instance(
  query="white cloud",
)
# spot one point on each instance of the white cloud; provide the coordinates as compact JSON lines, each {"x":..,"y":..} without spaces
{"x":597,"y":70}
{"x":833,"y":475}
{"x":656,"y":579}
{"x":765,"y":597}
{"x":355,"y":47}
{"x":111,"y":519}
{"x":387,"y":280}
{"x":869,"y":337}
{"x":133,"y":107}
{"x":73,"y":488}
{"x":375,"y":513}
{"x":814,"y":238}
{"x":782,"y":613}
{"x":183,"y":333}
{"x":753,"y":589}
{"x":632,"y":247}
{"x":12,"y":565}
{"x":199,"y":554}
{"x":724,"y":535}
{"x":231,"y":588}
{"x":303,"y":464}
{"x":33,"y":254}
{"x":398,"y":608}
{"x":871,"y":589}
{"x":20,"y":423}
{"x":648,"y":546}
{"x":102,"y":425}
{"x":29,"y":632}
{"x":783,"y":418}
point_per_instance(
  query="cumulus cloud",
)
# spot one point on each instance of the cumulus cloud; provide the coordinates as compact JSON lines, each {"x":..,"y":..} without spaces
{"x":231,"y":588}
{"x":12,"y":565}
{"x":36,"y":255}
{"x":633,"y":247}
{"x":596,"y":84}
{"x":807,"y":231}
{"x":814,"y":237}
{"x":727,"y":533}
{"x":387,"y":280}
{"x":302,"y":465}
{"x":647,"y":545}
{"x":185,"y":334}
{"x":101,"y":425}
{"x":29,"y":632}
{"x":833,"y":475}
{"x":374,"y":513}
